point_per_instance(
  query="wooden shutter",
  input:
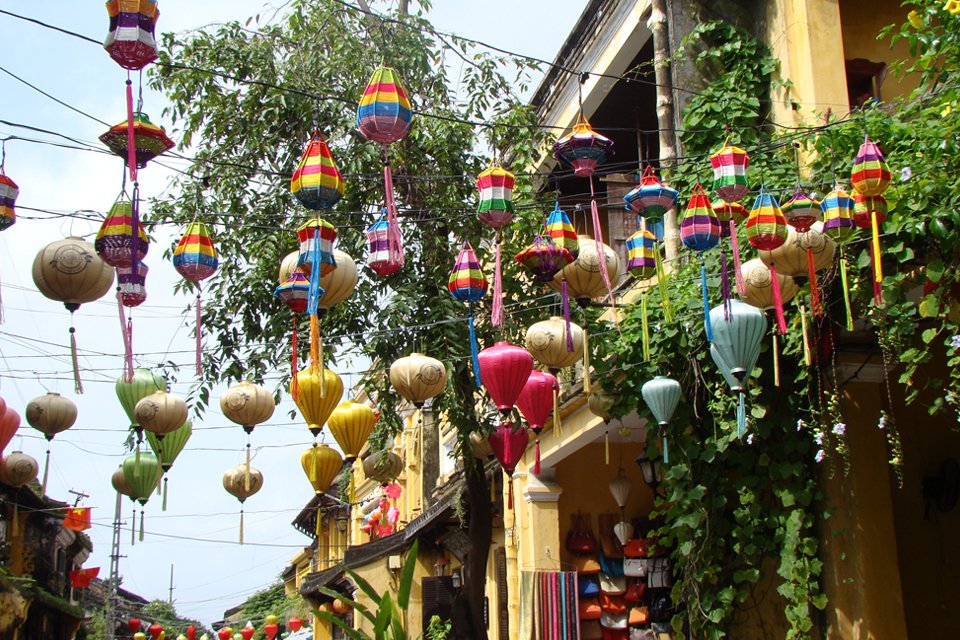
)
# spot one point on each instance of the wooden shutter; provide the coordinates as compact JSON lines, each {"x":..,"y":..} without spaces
{"x":503,"y":596}
{"x":438,"y":594}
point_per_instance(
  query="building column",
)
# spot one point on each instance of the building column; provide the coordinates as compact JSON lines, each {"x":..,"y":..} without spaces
{"x":541,"y":542}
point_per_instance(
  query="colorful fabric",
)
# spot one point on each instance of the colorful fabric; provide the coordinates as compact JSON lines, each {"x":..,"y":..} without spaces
{"x":466,"y":282}
{"x":727,"y":210}
{"x":699,"y":227}
{"x":543,"y":259}
{"x":583,"y":149}
{"x":642,"y":255}
{"x":381,"y":257}
{"x":8,"y":198}
{"x":495,"y":186}
{"x":77,"y":518}
{"x":560,"y":229}
{"x":149,"y":139}
{"x":838,"y":214}
{"x":766,"y":226}
{"x":384,"y":113}
{"x":316,"y":238}
{"x":116,"y":233}
{"x":195,"y":257}
{"x":871,"y":175}
{"x":294,"y":291}
{"x":730,"y":173}
{"x":651,"y":198}
{"x":132,"y":283}
{"x":317,"y":182}
{"x":865,"y":206}
{"x":555,"y":605}
{"x":130,"y":41}
{"x":801,"y":211}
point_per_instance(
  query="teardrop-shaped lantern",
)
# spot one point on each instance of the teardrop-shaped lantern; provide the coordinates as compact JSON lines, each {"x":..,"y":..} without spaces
{"x":51,"y":414}
{"x":767,"y":230}
{"x":169,"y":448}
{"x":730,"y":173}
{"x":351,"y":424}
{"x":321,"y":464}
{"x":737,"y":341}
{"x":620,"y":489}
{"x":870,"y":175}
{"x":624,"y":531}
{"x":319,"y":392}
{"x":651,"y":198}
{"x":495,"y":186}
{"x":116,"y":233}
{"x":600,"y":404}
{"x":467,"y":284}
{"x":161,"y":413}
{"x":561,"y":231}
{"x":247,"y":404}
{"x":505,"y":369}
{"x":758,"y":285}
{"x":547,"y":343}
{"x":339,"y":284}
{"x":242,"y":481}
{"x":195,"y":257}
{"x":131,"y":391}
{"x":418,"y":377}
{"x":18,"y":469}
{"x":662,"y":394}
{"x":9,"y":423}
{"x":508,"y":444}
{"x":583,"y":277}
{"x":384,"y":112}
{"x":142,"y":473}
{"x":383,"y":466}
{"x":535,"y":401}
{"x":316,"y":181}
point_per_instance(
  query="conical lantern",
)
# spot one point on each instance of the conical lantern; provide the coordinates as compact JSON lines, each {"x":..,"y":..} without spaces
{"x":149,"y":140}
{"x":69,"y":271}
{"x":495,"y":186}
{"x":8,"y":200}
{"x":122,"y":241}
{"x":131,"y":391}
{"x":583,"y":278}
{"x":870,"y":175}
{"x":247,"y":404}
{"x":383,"y":466}
{"x":700,"y":231}
{"x":131,"y":42}
{"x":730,"y":173}
{"x":9,"y":423}
{"x":620,"y":489}
{"x":384,"y":113}
{"x":142,"y":472}
{"x":195,"y":258}
{"x":338,"y":285}
{"x":561,"y":231}
{"x":168,"y":449}
{"x":505,"y":369}
{"x":467,"y":284}
{"x":641,"y":255}
{"x":241,"y":482}
{"x":737,"y":339}
{"x":18,"y":469}
{"x":50,"y":414}
{"x":555,"y":344}
{"x":418,"y":377}
{"x":295,"y":623}
{"x":384,"y":252}
{"x":321,"y":464}
{"x":161,"y":413}
{"x":767,"y":230}
{"x":316,"y":181}
{"x":651,"y":198}
{"x":351,"y":424}
{"x":509,"y":444}
{"x":319,"y":392}
{"x":662,"y":395}
{"x":120,"y":484}
{"x":537,"y":400}
{"x":758,"y":281}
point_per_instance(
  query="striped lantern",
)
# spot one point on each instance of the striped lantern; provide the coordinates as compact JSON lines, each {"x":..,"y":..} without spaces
{"x":294,"y":291}
{"x":130,"y":41}
{"x":802,"y":212}
{"x":700,"y":231}
{"x":543,"y":259}
{"x":467,"y":284}
{"x":729,"y":215}
{"x":561,"y":230}
{"x":641,"y":259}
{"x":316,"y":258}
{"x":131,"y":285}
{"x":316,"y":181}
{"x":767,"y":230}
{"x":838,"y":224}
{"x":495,"y":186}
{"x":195,"y":258}
{"x":869,"y":212}
{"x":384,"y":254}
{"x":116,"y":235}
{"x":149,"y":140}
{"x":730,"y":173}
{"x":651,"y":198}
{"x":870,"y":175}
{"x":8,"y":198}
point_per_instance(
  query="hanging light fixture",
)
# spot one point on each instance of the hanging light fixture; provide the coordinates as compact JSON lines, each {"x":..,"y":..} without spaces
{"x":662,"y":395}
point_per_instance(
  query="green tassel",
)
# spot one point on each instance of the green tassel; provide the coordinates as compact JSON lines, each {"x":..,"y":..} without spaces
{"x":846,"y":290}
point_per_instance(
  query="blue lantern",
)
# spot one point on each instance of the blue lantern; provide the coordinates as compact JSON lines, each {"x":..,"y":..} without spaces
{"x":736,"y":347}
{"x":662,"y":395}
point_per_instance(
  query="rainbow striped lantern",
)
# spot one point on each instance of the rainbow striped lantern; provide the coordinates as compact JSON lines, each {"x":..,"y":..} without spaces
{"x":495,"y":186}
{"x":767,"y":230}
{"x":385,"y":257}
{"x":642,"y":262}
{"x":730,"y":173}
{"x":149,"y":140}
{"x":730,"y":214}
{"x":467,"y":284}
{"x":838,"y":224}
{"x":700,"y":231}
{"x":870,"y":178}
{"x":195,"y":258}
{"x":801,"y":212}
{"x":583,"y":149}
{"x":121,"y":240}
{"x":294,"y":291}
{"x":8,"y":199}
{"x":651,"y":198}
{"x":317,"y":182}
{"x":131,"y":42}
{"x":132,"y":287}
{"x":560,"y":230}
{"x":384,"y":116}
{"x":316,"y":260}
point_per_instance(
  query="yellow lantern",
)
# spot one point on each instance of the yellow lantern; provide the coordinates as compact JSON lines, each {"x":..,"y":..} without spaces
{"x":383,"y":466}
{"x":161,"y":413}
{"x":758,"y":285}
{"x":418,"y":378}
{"x":288,"y":265}
{"x":584,"y":281}
{"x":319,"y":391}
{"x":547,"y":343}
{"x":241,"y":482}
{"x":351,"y":423}
{"x":321,"y":464}
{"x":338,"y":285}
{"x":50,"y":414}
{"x":248,"y":405}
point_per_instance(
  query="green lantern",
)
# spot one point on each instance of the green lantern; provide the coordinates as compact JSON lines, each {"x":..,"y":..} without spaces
{"x":662,"y":394}
{"x":168,"y":449}
{"x":142,"y":472}
{"x":737,"y":336}
{"x":131,"y":391}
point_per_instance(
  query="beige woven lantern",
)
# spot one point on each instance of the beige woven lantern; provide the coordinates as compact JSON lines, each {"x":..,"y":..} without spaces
{"x":161,"y":413}
{"x":288,"y":265}
{"x":50,"y":414}
{"x":758,"y":283}
{"x":339,"y":284}
{"x":584,"y":281}
{"x":247,"y":404}
{"x":18,"y":469}
{"x":547,"y":343}
{"x":383,"y":466}
{"x":242,"y":481}
{"x":791,"y":256}
{"x":418,"y":377}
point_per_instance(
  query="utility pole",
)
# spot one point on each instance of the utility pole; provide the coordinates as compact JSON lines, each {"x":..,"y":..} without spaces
{"x":113,"y":582}
{"x":170,"y":597}
{"x":80,"y":496}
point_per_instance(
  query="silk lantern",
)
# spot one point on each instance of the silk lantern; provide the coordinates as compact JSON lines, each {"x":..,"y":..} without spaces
{"x":130,"y":41}
{"x":737,"y":339}
{"x":337,"y":285}
{"x":620,"y":490}
{"x":767,"y":230}
{"x":17,"y":469}
{"x":730,"y":173}
{"x":641,"y":259}
{"x":508,"y":444}
{"x":554,"y":343}
{"x":537,"y":400}
{"x":9,"y":423}
{"x":560,"y":230}
{"x":50,"y":414}
{"x":700,"y":231}
{"x":142,"y":472}
{"x":838,"y":224}
{"x":120,"y":484}
{"x":418,"y":377}
{"x":242,"y":481}
{"x":168,"y":449}
{"x":351,"y":424}
{"x":132,"y":390}
{"x":383,"y":466}
{"x":759,"y":285}
{"x":316,"y":182}
{"x":801,"y":212}
{"x":729,"y":215}
{"x":495,"y":208}
{"x":384,"y":251}
{"x":802,"y":254}
{"x":467,"y":284}
{"x":195,"y":259}
{"x":662,"y":395}
{"x":321,"y":464}
{"x":247,"y":404}
{"x":69,"y":271}
{"x":505,"y":369}
{"x":319,"y":393}
{"x":161,"y":413}
{"x":543,"y":259}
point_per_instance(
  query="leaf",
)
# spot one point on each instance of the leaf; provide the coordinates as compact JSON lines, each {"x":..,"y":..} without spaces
{"x":406,"y":577}
{"x":352,"y":633}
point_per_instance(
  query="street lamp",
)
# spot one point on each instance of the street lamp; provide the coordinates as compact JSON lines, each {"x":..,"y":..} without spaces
{"x":652,"y":470}
{"x":342,"y":518}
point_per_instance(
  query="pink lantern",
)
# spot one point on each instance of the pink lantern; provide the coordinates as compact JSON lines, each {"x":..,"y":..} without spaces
{"x":504,"y":369}
{"x":508,"y":445}
{"x":536,"y":401}
{"x":9,"y":423}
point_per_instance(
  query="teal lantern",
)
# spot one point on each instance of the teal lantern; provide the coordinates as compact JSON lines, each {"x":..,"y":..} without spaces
{"x":662,"y":394}
{"x":736,"y":347}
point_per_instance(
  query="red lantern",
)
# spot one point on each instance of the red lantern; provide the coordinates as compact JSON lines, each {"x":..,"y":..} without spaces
{"x":9,"y":423}
{"x":192,"y":633}
{"x":508,"y":445}
{"x":536,"y":401}
{"x":270,"y":630}
{"x":247,"y":632}
{"x":133,"y":624}
{"x":295,"y":623}
{"x":155,"y":631}
{"x":504,"y":369}
{"x":225,"y":634}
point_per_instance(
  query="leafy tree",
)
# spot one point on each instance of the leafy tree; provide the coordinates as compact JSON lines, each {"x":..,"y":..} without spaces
{"x":165,"y":614}
{"x":246,"y":98}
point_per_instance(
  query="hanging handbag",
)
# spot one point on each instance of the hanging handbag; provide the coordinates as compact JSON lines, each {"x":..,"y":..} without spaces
{"x":635,"y":592}
{"x":613,"y":585}
{"x":580,"y":540}
{"x":636,"y":548}
{"x":588,"y":586}
{"x":658,"y":573}
{"x":615,"y":634}
{"x":610,"y":566}
{"x":639,"y":616}
{"x":589,"y":609}
{"x":586,"y":565}
{"x":661,"y":609}
{"x":614,"y":605}
{"x":642,"y":633}
{"x":634,"y":567}
{"x":613,"y":621}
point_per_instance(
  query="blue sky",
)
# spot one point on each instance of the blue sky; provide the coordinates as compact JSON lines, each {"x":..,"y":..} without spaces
{"x":198,"y":531}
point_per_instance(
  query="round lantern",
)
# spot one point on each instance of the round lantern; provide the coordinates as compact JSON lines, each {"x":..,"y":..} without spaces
{"x":865,"y":207}
{"x":321,"y":464}
{"x":318,"y":393}
{"x":505,"y":369}
{"x":583,"y":277}
{"x":50,"y":414}
{"x":791,"y":256}
{"x":600,"y":404}
{"x":338,"y":285}
{"x":351,"y":424}
{"x":418,"y":377}
{"x":161,"y":413}
{"x":288,"y":266}
{"x":553,"y":345}
{"x":247,"y":404}
{"x":69,"y":271}
{"x":241,"y":482}
{"x":120,"y":484}
{"x":738,"y":334}
{"x":759,"y":288}
{"x":18,"y":469}
{"x":132,"y":390}
{"x":383,"y":466}
{"x":9,"y":423}
{"x":662,"y":395}
{"x":340,"y":607}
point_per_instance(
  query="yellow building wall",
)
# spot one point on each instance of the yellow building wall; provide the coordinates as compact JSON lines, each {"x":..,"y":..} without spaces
{"x":862,"y":20}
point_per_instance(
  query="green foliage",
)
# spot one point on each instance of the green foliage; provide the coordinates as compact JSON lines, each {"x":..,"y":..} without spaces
{"x":438,"y":629}
{"x":272,"y":600}
{"x":165,"y":614}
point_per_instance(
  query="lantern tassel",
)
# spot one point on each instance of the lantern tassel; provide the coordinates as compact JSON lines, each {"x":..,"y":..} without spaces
{"x":241,"y":525}
{"x":707,"y":326}
{"x":77,"y":383}
{"x":493,"y":487}
{"x":496,"y":311}
{"x":557,"y":424}
{"x":16,"y":521}
{"x":741,"y":416}
{"x":164,"y":505}
{"x":474,"y":350}
{"x":318,"y":528}
{"x":131,"y":140}
{"x":314,"y":343}
{"x":735,"y":250}
{"x":566,"y":314}
{"x":394,"y":238}
{"x":536,"y":461}
{"x":586,"y":362}
{"x":134,"y":225}
{"x":294,"y":347}
{"x":875,"y":257}
{"x":246,"y":468}
{"x":510,"y":494}
{"x":846,"y":290}
{"x":199,"y":337}
{"x":665,"y":447}
{"x":816,"y":308}
{"x":776,"y":360}
{"x":2,"y":317}
{"x":46,"y":473}
{"x":141,"y":525}
{"x":606,"y":447}
{"x":601,"y":254}
{"x":133,"y":527}
{"x":128,"y":364}
{"x":127,"y":348}
{"x":807,"y":356}
{"x":777,"y":300}
{"x":644,"y":327}
{"x":725,"y":286}
{"x":662,"y":285}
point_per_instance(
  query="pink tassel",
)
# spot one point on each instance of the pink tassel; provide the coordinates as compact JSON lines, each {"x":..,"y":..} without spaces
{"x":601,"y":254}
{"x":199,"y":335}
{"x":496,"y":312}
{"x":294,"y":385}
{"x":1,"y":306}
{"x":131,"y":141}
{"x":735,"y":249}
{"x":127,"y":347}
{"x":566,"y":315}
{"x":777,"y":300}
{"x":394,"y":238}
{"x":725,"y":286}
{"x":134,"y":226}
{"x":536,"y":462}
{"x":815,"y":309}
{"x":129,"y":355}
